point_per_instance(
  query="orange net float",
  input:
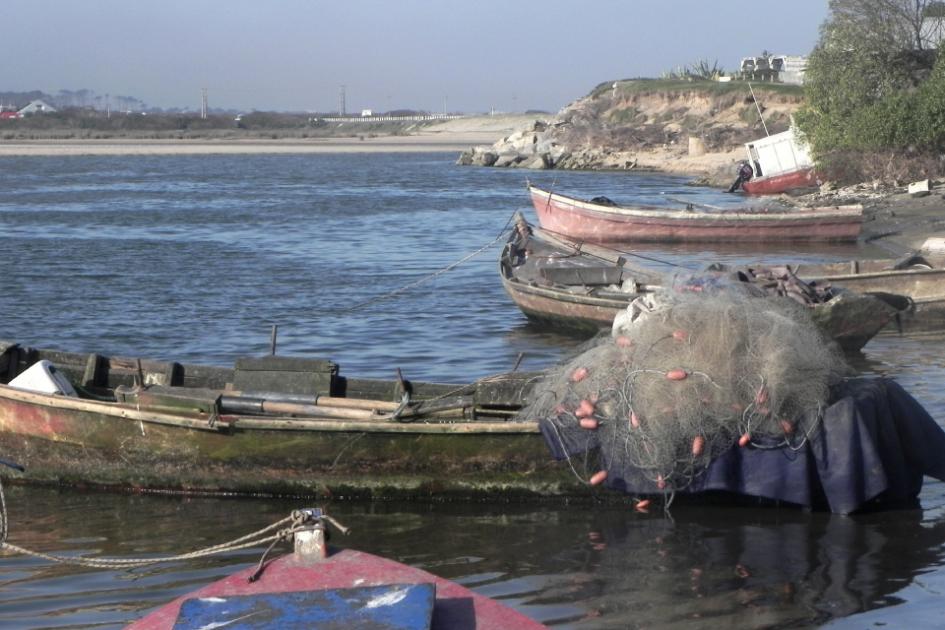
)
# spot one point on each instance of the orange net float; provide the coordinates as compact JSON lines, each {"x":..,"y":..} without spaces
{"x":677,"y":375}
{"x":579,"y":374}
{"x":787,"y":426}
{"x":680,"y":335}
{"x":698,"y":445}
{"x":585,"y":409}
{"x":598,"y":478}
{"x":642,"y":505}
{"x":762,"y":396}
{"x":590,"y":424}
{"x":634,"y":419}
{"x":744,"y":440}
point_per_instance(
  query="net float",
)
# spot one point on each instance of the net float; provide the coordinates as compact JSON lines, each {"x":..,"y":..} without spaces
{"x":634,"y":420}
{"x":642,"y":505}
{"x":579,"y":374}
{"x":585,"y":409}
{"x":623,"y":342}
{"x":787,"y":427}
{"x":677,"y":375}
{"x":588,"y":423}
{"x":744,"y":440}
{"x":680,"y":335}
{"x":762,"y":396}
{"x":660,"y":482}
{"x":598,"y":478}
{"x":698,"y":445}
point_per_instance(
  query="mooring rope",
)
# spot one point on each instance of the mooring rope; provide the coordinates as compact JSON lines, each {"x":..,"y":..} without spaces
{"x":429,"y":276}
{"x":296,"y":522}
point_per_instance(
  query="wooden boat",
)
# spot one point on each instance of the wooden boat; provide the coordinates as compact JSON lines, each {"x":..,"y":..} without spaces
{"x":315,"y":587}
{"x":780,"y":163}
{"x":918,"y":275}
{"x":602,"y":221}
{"x":582,"y":287}
{"x":782,"y":182}
{"x":272,"y":425}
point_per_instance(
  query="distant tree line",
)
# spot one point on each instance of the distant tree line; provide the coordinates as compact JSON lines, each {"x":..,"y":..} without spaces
{"x":875,"y":90}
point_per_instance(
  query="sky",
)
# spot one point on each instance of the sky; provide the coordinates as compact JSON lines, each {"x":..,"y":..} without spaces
{"x":455,"y":55}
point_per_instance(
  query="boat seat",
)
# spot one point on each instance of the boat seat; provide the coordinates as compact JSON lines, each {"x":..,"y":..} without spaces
{"x":289,"y":375}
{"x":583,"y":275}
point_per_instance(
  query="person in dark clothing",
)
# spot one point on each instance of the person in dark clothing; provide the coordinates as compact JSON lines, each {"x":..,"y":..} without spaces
{"x":745,"y":173}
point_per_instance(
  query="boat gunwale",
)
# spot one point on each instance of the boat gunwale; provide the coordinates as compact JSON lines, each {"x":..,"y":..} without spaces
{"x":125,"y":412}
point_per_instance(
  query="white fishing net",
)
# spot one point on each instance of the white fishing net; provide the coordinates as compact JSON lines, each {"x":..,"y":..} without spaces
{"x":685,"y":377}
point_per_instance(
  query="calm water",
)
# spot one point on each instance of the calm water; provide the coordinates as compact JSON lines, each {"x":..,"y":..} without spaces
{"x":195,"y":258}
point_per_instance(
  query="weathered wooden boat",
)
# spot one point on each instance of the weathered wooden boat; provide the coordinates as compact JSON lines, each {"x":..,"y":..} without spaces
{"x":782,"y":182}
{"x":781,"y":163}
{"x":601,"y":221}
{"x":582,"y":287}
{"x":918,"y":275}
{"x":274,"y":425}
{"x":318,"y":587}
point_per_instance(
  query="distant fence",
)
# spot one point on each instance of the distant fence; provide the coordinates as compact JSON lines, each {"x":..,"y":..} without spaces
{"x":368,"y":119}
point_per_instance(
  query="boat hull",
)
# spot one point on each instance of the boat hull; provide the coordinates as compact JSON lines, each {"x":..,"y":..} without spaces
{"x":185,"y":436}
{"x":849,"y":319}
{"x":455,"y":606}
{"x":105,"y":445}
{"x":583,"y":220}
{"x":777,"y":184}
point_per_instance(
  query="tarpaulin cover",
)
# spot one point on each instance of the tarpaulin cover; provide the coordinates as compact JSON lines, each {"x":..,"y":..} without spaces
{"x":875,"y":444}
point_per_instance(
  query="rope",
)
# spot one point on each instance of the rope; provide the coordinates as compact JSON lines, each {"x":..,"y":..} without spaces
{"x":249,"y":540}
{"x":578,"y":251}
{"x":428,"y":277}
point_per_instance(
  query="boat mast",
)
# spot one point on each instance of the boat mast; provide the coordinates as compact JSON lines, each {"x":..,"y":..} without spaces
{"x":758,"y":107}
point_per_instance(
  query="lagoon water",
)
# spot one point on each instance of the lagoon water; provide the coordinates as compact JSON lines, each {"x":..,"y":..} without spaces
{"x":194,"y":259}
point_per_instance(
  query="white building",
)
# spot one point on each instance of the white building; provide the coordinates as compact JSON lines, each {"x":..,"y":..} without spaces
{"x":37,"y":107}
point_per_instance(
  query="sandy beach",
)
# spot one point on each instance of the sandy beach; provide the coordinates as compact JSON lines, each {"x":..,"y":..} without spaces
{"x":454,"y":135}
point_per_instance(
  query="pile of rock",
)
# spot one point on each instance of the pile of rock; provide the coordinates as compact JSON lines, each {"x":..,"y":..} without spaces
{"x":536,"y":147}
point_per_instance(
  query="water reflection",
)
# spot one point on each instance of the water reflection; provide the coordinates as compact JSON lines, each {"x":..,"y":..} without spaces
{"x":753,"y":568}
{"x":573,"y":567}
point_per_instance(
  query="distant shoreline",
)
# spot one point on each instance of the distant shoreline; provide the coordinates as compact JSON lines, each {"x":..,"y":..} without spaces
{"x":420,"y":143}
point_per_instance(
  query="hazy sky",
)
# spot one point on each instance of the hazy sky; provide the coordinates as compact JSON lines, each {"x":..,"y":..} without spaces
{"x":470,"y":55}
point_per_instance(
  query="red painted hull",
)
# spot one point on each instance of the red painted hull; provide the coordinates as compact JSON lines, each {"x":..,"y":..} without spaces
{"x":587,"y":221}
{"x":456,"y":607}
{"x":777,"y":184}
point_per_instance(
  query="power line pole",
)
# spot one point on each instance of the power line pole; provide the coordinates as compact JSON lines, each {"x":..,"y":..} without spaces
{"x":203,"y":103}
{"x":341,"y":101}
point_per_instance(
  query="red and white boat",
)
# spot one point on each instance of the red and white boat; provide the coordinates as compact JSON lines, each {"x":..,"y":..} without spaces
{"x":313,"y":588}
{"x":780,"y":163}
{"x":602,"y":221}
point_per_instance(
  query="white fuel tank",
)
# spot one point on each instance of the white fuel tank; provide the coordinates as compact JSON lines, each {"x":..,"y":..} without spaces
{"x":43,"y":378}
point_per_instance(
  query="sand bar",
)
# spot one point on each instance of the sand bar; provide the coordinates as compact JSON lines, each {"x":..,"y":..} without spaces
{"x":449,"y":136}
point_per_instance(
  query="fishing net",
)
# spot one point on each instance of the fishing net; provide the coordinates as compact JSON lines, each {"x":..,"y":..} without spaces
{"x":686,"y":376}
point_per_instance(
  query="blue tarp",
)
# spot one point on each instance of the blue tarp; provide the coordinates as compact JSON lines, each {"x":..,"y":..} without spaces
{"x":388,"y":607}
{"x":875,"y":444}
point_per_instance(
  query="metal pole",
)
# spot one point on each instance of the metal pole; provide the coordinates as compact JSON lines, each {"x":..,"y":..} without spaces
{"x":272,"y":339}
{"x":758,"y":107}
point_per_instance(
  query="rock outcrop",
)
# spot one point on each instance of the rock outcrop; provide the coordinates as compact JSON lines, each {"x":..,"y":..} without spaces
{"x":642,"y":123}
